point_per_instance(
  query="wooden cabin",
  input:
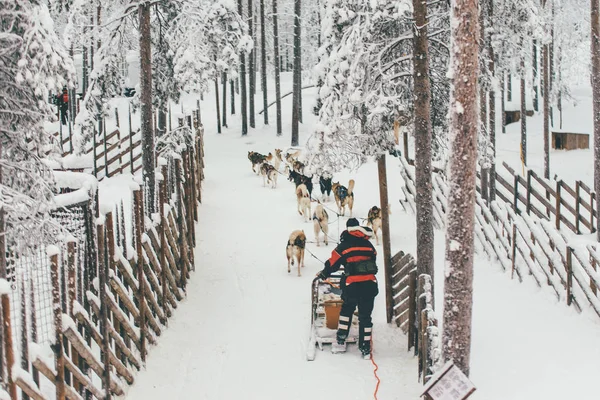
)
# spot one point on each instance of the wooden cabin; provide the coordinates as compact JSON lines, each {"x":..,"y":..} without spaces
{"x":515,"y":115}
{"x":570,"y":141}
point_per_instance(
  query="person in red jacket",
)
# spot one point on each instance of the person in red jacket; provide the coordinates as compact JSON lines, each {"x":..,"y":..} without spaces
{"x":63,"y":105}
{"x":359,"y":284}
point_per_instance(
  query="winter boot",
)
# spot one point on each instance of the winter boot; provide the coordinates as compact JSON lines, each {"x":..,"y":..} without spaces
{"x":364,"y":341}
{"x":343,"y":329}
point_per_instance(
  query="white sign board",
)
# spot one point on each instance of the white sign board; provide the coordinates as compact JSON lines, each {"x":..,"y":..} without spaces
{"x":449,"y":384}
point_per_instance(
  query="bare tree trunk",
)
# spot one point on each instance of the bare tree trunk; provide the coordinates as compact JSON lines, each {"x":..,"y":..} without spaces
{"x":535,"y":76}
{"x":277,"y":61}
{"x":243,"y":94}
{"x":146,"y":103}
{"x":217,"y":104}
{"x":509,"y":87}
{"x":484,"y":171}
{"x":422,"y":106}
{"x":492,"y":111}
{"x":263,"y":62}
{"x":523,"y":115}
{"x":232,"y":92}
{"x":224,"y":84}
{"x":296,"y":78}
{"x":458,"y":288}
{"x":595,"y":18}
{"x":251,"y":75}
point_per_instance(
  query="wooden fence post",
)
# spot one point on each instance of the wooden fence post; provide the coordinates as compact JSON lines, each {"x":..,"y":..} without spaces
{"x":529,"y":191}
{"x":569,"y":267}
{"x":57,"y":311}
{"x":163,"y":240}
{"x":139,"y":229}
{"x":24,"y":335}
{"x":514,"y":250}
{"x":181,"y":222}
{"x":594,"y":266}
{"x":577,"y":201}
{"x":102,"y":279}
{"x":592,"y":203}
{"x":516,"y":194}
{"x":385,"y":229}
{"x":412,"y":309}
{"x":558,"y":203}
{"x":34,"y":372}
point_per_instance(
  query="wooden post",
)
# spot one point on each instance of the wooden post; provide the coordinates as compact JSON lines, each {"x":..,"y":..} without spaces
{"x":514,"y":250}
{"x":412,"y":309}
{"x":558,"y":202}
{"x":163,"y":240}
{"x":183,"y":245}
{"x":24,"y":335}
{"x":102,"y":279}
{"x":130,"y":144}
{"x":405,"y":142}
{"x":139,"y":229}
{"x":34,"y":372}
{"x":385,"y":232}
{"x":71,"y":275}
{"x":529,"y":191}
{"x":58,"y":343}
{"x":516,"y":194}
{"x":594,"y":266}
{"x":592,"y":203}
{"x":577,"y":201}
{"x":105,"y":148}
{"x":569,"y":267}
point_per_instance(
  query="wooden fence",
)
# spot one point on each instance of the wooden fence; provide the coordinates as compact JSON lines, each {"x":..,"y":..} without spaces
{"x":528,"y":243}
{"x":413,"y":312}
{"x":108,"y":295}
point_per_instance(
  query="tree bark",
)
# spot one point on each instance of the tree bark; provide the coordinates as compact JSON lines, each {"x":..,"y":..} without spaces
{"x":277,"y":61}
{"x":147,"y":127}
{"x":243,"y":94}
{"x":509,"y":87}
{"x":217,"y":104}
{"x":251,"y":75}
{"x":263,"y":62}
{"x":224,"y":84}
{"x":595,"y":19}
{"x":422,"y":93}
{"x":546,"y":84}
{"x":296,"y":77}
{"x":458,"y":289}
{"x":502,"y":103}
{"x":232,"y":90}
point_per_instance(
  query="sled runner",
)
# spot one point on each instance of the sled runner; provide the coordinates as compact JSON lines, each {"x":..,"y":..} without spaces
{"x":325,"y":311}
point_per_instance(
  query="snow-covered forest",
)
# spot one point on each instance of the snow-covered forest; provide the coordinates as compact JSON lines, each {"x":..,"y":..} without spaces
{"x":156,"y":153}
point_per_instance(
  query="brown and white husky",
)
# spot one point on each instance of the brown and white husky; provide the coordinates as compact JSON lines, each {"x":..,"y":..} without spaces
{"x":269,"y":174}
{"x":343,"y":196}
{"x":321,"y":223}
{"x":295,"y":249}
{"x":374,"y":220}
{"x":303,"y":198}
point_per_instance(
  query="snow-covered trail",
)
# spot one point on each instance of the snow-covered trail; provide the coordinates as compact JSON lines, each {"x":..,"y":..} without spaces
{"x":242,"y":331}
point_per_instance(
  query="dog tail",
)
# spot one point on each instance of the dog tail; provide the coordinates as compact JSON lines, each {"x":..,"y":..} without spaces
{"x":350,"y":187}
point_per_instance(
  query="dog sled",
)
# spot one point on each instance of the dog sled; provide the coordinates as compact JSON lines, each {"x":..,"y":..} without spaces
{"x":325,"y":311}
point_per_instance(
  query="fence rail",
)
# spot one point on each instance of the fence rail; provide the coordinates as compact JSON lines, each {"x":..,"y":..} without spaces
{"x":85,"y":311}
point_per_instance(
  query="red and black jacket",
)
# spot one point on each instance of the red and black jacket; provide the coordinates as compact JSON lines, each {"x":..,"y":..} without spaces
{"x":354,"y":248}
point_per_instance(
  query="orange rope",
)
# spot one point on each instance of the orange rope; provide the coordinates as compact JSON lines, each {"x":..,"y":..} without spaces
{"x":374,"y":370}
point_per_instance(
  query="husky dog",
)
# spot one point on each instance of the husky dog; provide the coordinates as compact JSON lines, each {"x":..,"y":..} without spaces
{"x":256,"y":159}
{"x":300,"y":179}
{"x":374,"y":220}
{"x":321,"y":223}
{"x":292,"y":156}
{"x":278,"y":159}
{"x":343,"y":196}
{"x":325,"y":183}
{"x":298,"y":166}
{"x":295,"y":249}
{"x":269,"y":174}
{"x":303,"y":201}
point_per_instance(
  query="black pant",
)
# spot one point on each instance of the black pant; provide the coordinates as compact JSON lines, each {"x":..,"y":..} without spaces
{"x":361,"y":295}
{"x":64,"y":110}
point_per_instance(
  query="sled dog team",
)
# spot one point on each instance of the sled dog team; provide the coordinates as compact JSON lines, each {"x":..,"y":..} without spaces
{"x":268,"y":166}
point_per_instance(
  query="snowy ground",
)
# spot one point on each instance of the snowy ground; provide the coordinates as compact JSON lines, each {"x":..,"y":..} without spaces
{"x":242,"y":331}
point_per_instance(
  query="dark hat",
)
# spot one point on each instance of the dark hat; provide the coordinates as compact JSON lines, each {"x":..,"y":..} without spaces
{"x":352,"y":222}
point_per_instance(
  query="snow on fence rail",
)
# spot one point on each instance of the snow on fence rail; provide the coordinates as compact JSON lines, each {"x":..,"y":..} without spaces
{"x":86,"y":311}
